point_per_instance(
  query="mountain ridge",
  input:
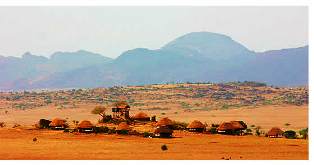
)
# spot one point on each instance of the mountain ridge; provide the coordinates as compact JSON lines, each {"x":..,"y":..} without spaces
{"x":194,"y":57}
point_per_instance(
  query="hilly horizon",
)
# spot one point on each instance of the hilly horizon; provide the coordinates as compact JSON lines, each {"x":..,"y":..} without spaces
{"x":194,"y":57}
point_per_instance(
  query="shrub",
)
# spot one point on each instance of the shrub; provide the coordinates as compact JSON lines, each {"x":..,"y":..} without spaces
{"x":252,"y":84}
{"x":225,"y":106}
{"x":102,"y":129}
{"x":179,"y":125}
{"x":213,"y":130}
{"x":123,"y":132}
{"x":16,"y":125}
{"x":290,"y":134}
{"x":257,"y":131}
{"x":248,"y":131}
{"x":267,"y":102}
{"x":164,"y":147}
{"x":2,"y":124}
{"x":147,"y":134}
{"x":111,"y":131}
{"x":304,"y":133}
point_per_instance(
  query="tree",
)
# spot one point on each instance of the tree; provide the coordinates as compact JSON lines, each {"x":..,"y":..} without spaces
{"x":99,"y":110}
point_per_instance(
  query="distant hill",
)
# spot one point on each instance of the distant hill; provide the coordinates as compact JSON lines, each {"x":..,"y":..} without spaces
{"x":194,"y":57}
{"x":22,"y":73}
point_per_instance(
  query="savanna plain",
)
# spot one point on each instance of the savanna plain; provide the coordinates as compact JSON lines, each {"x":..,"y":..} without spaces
{"x":260,"y":107}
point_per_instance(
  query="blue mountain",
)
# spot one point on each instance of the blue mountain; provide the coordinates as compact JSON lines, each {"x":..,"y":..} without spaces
{"x":194,"y":57}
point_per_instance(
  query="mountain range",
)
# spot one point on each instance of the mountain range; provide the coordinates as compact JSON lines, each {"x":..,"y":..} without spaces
{"x":194,"y":57}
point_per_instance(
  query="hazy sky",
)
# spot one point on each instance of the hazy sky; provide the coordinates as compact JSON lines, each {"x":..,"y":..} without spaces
{"x":113,"y":30}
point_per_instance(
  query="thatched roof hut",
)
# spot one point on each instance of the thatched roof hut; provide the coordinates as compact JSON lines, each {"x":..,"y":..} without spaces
{"x":85,"y":124}
{"x":58,"y":123}
{"x":196,"y":126}
{"x":232,"y":127}
{"x":163,"y":131}
{"x":164,"y":122}
{"x":141,"y":116}
{"x":239,"y":124}
{"x":275,"y":132}
{"x":225,"y":126}
{"x":123,"y":126}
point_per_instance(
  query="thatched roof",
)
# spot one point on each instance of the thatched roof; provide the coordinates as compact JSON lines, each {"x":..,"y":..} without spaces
{"x":57,"y":122}
{"x":275,"y":131}
{"x":196,"y":124}
{"x":163,"y":130}
{"x":232,"y":125}
{"x":85,"y":124}
{"x":225,"y":126}
{"x":164,"y":122}
{"x":121,"y":104}
{"x":123,"y":126}
{"x":141,"y":115}
{"x":239,"y":124}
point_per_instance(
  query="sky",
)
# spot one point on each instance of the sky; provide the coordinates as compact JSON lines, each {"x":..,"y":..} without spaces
{"x":112,"y":30}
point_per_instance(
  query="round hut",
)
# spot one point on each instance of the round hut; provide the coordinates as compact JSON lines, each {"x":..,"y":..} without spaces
{"x":239,"y":125}
{"x":275,"y":132}
{"x":85,"y":126}
{"x":196,"y":126}
{"x":141,"y":116}
{"x":58,"y":124}
{"x":123,"y":128}
{"x":163,"y":132}
{"x":232,"y":127}
{"x":164,"y":122}
{"x":164,"y":128}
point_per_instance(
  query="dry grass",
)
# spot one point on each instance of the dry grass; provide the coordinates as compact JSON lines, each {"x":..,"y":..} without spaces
{"x":58,"y":145}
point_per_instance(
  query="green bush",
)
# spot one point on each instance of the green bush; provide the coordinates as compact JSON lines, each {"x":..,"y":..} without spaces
{"x":101,"y":129}
{"x":258,"y":131}
{"x":290,"y":134}
{"x":248,"y":131}
{"x":213,"y":130}
{"x":304,"y":133}
{"x":123,"y":132}
{"x":147,"y":134}
{"x":225,"y":106}
{"x":179,"y":125}
{"x":111,"y":131}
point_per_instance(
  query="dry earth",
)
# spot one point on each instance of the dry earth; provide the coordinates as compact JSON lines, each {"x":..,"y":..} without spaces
{"x":176,"y":102}
{"x":18,"y":144}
